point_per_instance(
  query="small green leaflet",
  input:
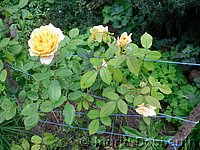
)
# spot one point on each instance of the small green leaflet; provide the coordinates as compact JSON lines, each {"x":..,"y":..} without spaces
{"x":108,"y":109}
{"x":146,"y":40}
{"x":105,"y":75}
{"x":134,"y":64}
{"x":54,"y":91}
{"x":88,"y":78}
{"x":122,"y":106}
{"x":74,"y":33}
{"x":69,"y":114}
{"x":93,"y":126}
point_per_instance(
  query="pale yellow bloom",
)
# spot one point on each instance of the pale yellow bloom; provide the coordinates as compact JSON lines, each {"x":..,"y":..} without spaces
{"x":124,"y":40}
{"x":146,"y":111}
{"x":99,"y":30}
{"x":44,"y":42}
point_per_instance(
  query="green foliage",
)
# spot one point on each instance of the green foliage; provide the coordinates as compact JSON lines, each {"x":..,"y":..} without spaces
{"x":10,"y":131}
{"x":147,"y":131}
{"x":49,"y":141}
{"x":79,"y":13}
{"x":119,"y":14}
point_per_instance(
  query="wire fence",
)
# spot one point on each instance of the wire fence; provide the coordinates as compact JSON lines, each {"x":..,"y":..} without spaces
{"x":160,"y":115}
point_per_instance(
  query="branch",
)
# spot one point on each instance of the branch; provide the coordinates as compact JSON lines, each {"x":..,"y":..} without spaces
{"x":186,"y":128}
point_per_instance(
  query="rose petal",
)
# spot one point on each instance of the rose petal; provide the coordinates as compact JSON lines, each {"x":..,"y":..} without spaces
{"x":46,"y":60}
{"x":58,"y":31}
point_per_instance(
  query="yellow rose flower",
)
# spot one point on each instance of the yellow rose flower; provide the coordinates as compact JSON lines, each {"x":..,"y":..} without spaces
{"x":146,"y":111}
{"x":44,"y":42}
{"x":99,"y":30}
{"x":124,"y":40}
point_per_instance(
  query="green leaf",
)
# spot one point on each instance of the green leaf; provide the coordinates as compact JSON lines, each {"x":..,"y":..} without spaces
{"x":140,"y":53}
{"x":36,"y":147}
{"x":75,"y":95}
{"x":131,"y":131}
{"x":9,"y":56}
{"x":89,"y":98}
{"x":134,"y":64}
{"x":36,"y":139}
{"x":26,"y":14}
{"x":99,"y":103}
{"x":25,"y":145}
{"x":122,"y":89}
{"x":49,"y":139}
{"x":106,"y":121}
{"x":93,"y":126}
{"x":15,"y":49}
{"x":74,"y":33}
{"x":6,"y":104}
{"x":111,"y":95}
{"x":3,"y":75}
{"x":153,"y":55}
{"x":88,"y":78}
{"x":85,"y":104}
{"x":32,"y":95}
{"x":147,"y":120}
{"x":1,"y":65}
{"x":157,"y":95}
{"x":2,"y":116}
{"x":9,"y":114}
{"x":59,"y":102}
{"x":69,"y":114}
{"x":129,"y":98}
{"x":149,"y":65}
{"x":122,"y":106}
{"x":42,"y":76}
{"x":146,"y":40}
{"x":109,"y":53}
{"x":31,"y":121}
{"x":4,"y":42}
{"x":46,"y":106}
{"x":145,"y":90}
{"x":23,"y":3}
{"x":96,"y":61}
{"x":77,"y":41}
{"x":108,"y":109}
{"x":54,"y":91}
{"x":28,"y":66}
{"x":16,"y":147}
{"x":152,"y":80}
{"x":29,"y":109}
{"x":63,"y":72}
{"x":164,"y":88}
{"x":12,"y":9}
{"x":105,"y":75}
{"x":83,"y":53}
{"x":117,"y":60}
{"x":93,"y":114}
{"x":117,"y":75}
{"x":138,"y":100}
{"x":131,"y":49}
{"x":152,"y":101}
{"x":79,"y":106}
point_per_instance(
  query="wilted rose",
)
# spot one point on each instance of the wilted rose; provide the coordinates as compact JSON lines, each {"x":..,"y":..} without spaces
{"x":146,"y":111}
{"x":124,"y":40}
